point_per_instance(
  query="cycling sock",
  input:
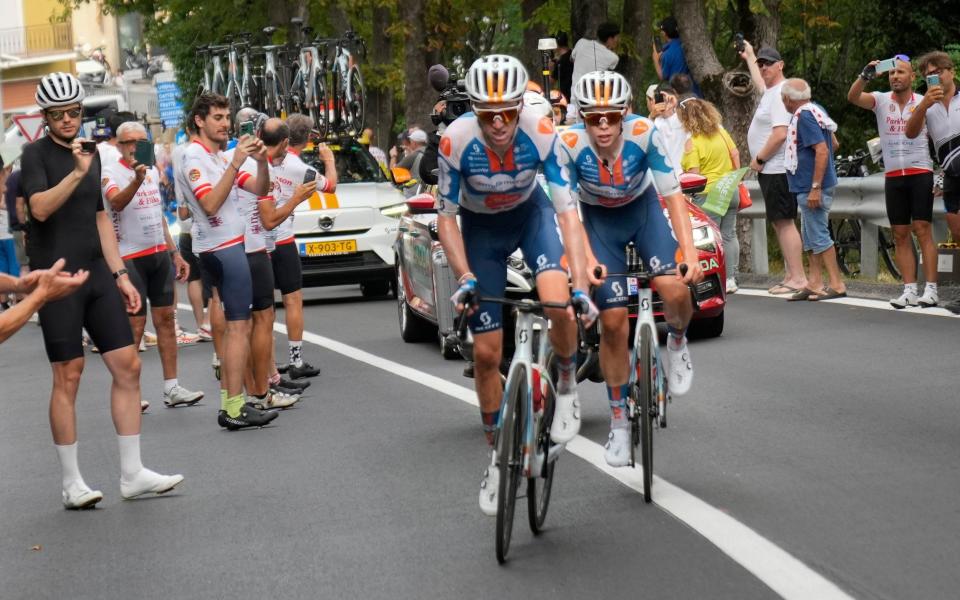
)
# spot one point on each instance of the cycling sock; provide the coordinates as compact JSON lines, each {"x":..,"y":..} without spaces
{"x":490,"y":421}
{"x":223,"y":399}
{"x":930,"y":286}
{"x":130,"y":463}
{"x":234,"y":405}
{"x":169,"y":384}
{"x":69,"y":468}
{"x":910,"y":288}
{"x":567,"y":373}
{"x":295,"y":353}
{"x":617,"y":395}
{"x":676,"y":338}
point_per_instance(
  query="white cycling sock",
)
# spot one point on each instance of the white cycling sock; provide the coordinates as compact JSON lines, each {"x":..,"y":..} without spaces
{"x":296,"y":349}
{"x":931,"y":286}
{"x":69,"y":467}
{"x":130,"y":463}
{"x":910,"y":288}
{"x":169,"y":384}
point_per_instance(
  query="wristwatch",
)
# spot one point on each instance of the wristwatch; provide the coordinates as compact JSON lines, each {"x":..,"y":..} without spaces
{"x":814,"y":186}
{"x":760,"y":161}
{"x":120,"y":273}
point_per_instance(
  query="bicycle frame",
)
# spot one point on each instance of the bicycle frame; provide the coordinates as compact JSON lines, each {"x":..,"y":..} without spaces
{"x":645,"y":318}
{"x":218,"y":83}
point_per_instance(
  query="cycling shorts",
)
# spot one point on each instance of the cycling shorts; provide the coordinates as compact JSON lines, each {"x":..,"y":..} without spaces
{"x":287,"y":272}
{"x":489,"y":239}
{"x":261,"y":274}
{"x":186,"y":251}
{"x":97,"y":307}
{"x":609,"y":230}
{"x":951,"y":194}
{"x":227,"y":271}
{"x":152,"y":275}
{"x":909,"y":198}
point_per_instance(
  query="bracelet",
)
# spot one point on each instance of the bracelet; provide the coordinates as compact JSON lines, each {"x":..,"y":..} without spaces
{"x":120,"y":273}
{"x":464,"y":276}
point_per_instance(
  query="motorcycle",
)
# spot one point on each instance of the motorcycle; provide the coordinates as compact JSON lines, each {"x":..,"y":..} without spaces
{"x":95,"y":68}
{"x":136,"y":58}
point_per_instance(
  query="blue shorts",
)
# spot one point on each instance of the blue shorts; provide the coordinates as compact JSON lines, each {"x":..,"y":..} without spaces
{"x":815,"y":223}
{"x":609,"y":230}
{"x":228,"y":272}
{"x":490,"y":239}
{"x":9,"y":263}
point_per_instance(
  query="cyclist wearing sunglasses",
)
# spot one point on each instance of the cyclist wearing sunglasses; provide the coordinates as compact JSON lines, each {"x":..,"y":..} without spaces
{"x":618,"y":162}
{"x":488,"y":173}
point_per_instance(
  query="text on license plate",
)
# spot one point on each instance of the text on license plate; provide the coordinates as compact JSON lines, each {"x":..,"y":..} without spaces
{"x":328,"y":248}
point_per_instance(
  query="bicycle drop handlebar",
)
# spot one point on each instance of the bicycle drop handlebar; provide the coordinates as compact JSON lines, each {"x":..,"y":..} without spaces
{"x":524,"y":305}
{"x":643,"y":280}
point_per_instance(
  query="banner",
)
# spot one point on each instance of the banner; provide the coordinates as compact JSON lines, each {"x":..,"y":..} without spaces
{"x":723,"y":191}
{"x":168,"y":103}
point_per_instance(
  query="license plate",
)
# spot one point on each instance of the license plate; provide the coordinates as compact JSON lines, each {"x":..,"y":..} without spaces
{"x":328,"y":248}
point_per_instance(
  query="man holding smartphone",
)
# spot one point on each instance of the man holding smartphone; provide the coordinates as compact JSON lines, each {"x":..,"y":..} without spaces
{"x":908,"y":185}
{"x":61,"y":185}
{"x":131,"y":188}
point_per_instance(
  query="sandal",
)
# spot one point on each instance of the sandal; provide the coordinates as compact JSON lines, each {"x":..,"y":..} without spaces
{"x":827,"y":293}
{"x":804,"y":294}
{"x":781,"y":288}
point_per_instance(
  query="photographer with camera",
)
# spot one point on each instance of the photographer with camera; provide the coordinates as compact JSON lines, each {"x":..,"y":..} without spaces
{"x":452,"y":103}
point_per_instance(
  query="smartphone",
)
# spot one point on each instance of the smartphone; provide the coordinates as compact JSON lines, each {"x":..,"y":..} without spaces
{"x":658,"y":97}
{"x":309,"y":176}
{"x":657,"y":43}
{"x":739,"y":43}
{"x":933,"y":80}
{"x":88,"y":146}
{"x":886,"y":65}
{"x":144,"y":153}
{"x":246,"y":128}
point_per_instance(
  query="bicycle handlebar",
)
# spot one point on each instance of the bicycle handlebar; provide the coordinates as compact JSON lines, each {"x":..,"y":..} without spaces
{"x":643,"y":277}
{"x":524,"y":305}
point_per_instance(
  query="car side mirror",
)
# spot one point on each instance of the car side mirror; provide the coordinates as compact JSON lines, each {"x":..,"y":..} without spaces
{"x":422,"y":204}
{"x":400,"y":175}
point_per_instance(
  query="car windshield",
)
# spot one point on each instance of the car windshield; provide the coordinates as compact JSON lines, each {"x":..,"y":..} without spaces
{"x":354,"y":164}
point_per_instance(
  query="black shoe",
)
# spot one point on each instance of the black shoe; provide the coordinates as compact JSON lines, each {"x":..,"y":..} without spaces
{"x":250,"y":416}
{"x":283,"y":368}
{"x":468,"y":370}
{"x":294,"y":385}
{"x":305,"y":370}
{"x":279,"y":387}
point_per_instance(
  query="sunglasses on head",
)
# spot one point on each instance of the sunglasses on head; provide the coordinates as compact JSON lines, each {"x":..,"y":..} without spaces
{"x":902,"y":57}
{"x":598,"y":118}
{"x":57,"y":115}
{"x":488,"y":116}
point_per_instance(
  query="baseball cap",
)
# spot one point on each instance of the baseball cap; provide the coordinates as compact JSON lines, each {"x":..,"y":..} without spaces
{"x":651,"y":89}
{"x":419,"y":136}
{"x":769,"y":55}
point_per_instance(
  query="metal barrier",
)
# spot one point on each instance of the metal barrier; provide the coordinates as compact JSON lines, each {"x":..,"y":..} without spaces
{"x":860,"y":198}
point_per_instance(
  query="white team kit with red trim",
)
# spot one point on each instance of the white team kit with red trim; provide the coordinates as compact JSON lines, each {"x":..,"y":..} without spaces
{"x":139,"y":226}
{"x":285,"y":177}
{"x":901,"y":155}
{"x":203,"y":169}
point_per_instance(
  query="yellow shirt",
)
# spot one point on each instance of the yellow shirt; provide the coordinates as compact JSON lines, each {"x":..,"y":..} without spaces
{"x":709,"y":155}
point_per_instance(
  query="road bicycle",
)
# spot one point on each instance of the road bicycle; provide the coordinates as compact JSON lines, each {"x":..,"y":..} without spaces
{"x":309,"y":88}
{"x":522,"y":440}
{"x":344,"y":111}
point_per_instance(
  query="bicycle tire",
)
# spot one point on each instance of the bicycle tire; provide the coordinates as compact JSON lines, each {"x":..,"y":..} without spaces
{"x":846,"y":238}
{"x":888,"y":253}
{"x":270,"y":96}
{"x":509,"y":460}
{"x":540,"y":485}
{"x":647,"y":402}
{"x":356,"y":99}
{"x":321,"y":117}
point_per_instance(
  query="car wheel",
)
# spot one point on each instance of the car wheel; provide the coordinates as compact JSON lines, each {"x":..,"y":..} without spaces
{"x":375,"y":289}
{"x":449,"y":348}
{"x":413,"y":328}
{"x":706,"y":328}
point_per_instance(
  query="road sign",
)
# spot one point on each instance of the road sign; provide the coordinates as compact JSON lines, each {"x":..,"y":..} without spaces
{"x":168,"y":103}
{"x":30,"y":126}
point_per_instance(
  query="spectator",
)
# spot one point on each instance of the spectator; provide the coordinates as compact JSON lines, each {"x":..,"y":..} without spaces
{"x":765,"y":138}
{"x":413,"y":154}
{"x":908,"y":185}
{"x":671,"y":60}
{"x":108,"y":149}
{"x":710,"y":151}
{"x":9,"y":265}
{"x":16,"y":207}
{"x":664,"y":116}
{"x":808,"y":160}
{"x":593,"y":55}
{"x":562,"y":70}
{"x":42,"y":286}
{"x":683,"y":84}
{"x":368,"y":140}
{"x":398,"y":150}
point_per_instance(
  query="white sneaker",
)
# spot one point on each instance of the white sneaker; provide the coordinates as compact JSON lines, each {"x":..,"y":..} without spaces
{"x":275,"y":399}
{"x":149,"y":339}
{"x":732,"y":287}
{"x":78,"y":496}
{"x":147,"y":482}
{"x":489,"y":486}
{"x":904,"y":300}
{"x":180,"y":395}
{"x":185,"y":338}
{"x":566,"y":419}
{"x":681,"y":369}
{"x":618,"y":447}
{"x":205,"y":334}
{"x":144,"y":405}
{"x":929,"y":298}
{"x":142,"y":348}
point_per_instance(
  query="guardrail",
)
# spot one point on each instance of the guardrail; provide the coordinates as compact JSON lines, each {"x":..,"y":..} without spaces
{"x":860,"y":198}
{"x":36,"y":39}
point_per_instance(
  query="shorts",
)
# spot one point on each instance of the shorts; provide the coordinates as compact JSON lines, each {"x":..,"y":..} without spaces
{"x":152,"y":275}
{"x":909,"y":198}
{"x":8,"y":258}
{"x":227,"y":271}
{"x":97,"y":307}
{"x":185,"y":244}
{"x":780,"y":202}
{"x":489,"y":240}
{"x":951,"y":194}
{"x":642,"y":222}
{"x":287,"y":272}
{"x":815,"y":223}
{"x":261,"y":275}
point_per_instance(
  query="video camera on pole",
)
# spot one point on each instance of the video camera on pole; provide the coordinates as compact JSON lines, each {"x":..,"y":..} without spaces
{"x":452,"y":92}
{"x":546,"y":46}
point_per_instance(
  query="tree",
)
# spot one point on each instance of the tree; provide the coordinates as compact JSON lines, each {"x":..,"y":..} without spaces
{"x":532,"y":32}
{"x":585,"y":17}
{"x":635,"y":41}
{"x":417,"y":59}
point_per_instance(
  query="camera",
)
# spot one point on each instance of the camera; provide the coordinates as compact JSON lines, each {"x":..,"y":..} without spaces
{"x":453,"y":93}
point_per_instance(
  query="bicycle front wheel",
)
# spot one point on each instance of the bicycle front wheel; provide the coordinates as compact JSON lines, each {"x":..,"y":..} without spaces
{"x":510,"y":459}
{"x":539,"y":486}
{"x":356,"y":100}
{"x":646,"y":400}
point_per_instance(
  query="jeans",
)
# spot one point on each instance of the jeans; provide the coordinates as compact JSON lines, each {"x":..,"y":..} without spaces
{"x":814,"y":222}
{"x":731,"y":244}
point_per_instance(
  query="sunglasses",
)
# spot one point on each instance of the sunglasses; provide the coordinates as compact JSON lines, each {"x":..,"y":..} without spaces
{"x":598,"y":118}
{"x":488,"y":116}
{"x":902,"y":57}
{"x":58,"y":115}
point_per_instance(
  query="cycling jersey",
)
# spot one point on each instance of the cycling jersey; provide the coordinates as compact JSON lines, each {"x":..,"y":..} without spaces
{"x":286,"y":176}
{"x":254,"y":234}
{"x":641,"y":161}
{"x":474,"y":177}
{"x":139,"y":226}
{"x":202,"y":169}
{"x":181,"y":187}
{"x":901,"y":155}
{"x":943,"y":125}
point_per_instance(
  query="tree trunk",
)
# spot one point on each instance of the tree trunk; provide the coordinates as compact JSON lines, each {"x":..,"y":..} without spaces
{"x":636,"y":40}
{"x":380,"y":99}
{"x":585,"y":17}
{"x":280,"y":13}
{"x":529,"y":54}
{"x":419,"y":97}
{"x":768,"y":26}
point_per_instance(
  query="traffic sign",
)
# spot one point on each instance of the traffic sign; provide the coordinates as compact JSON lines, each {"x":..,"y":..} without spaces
{"x":30,"y":126}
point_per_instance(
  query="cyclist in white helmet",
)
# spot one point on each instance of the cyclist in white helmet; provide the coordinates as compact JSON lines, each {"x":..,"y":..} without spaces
{"x":488,"y":166}
{"x":617,"y":164}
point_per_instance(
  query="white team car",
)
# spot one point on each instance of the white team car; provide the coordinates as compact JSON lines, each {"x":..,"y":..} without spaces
{"x":347,"y":237}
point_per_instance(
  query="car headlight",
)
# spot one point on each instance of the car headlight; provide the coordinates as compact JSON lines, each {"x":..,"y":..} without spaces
{"x":394,"y":211}
{"x":704,"y":238}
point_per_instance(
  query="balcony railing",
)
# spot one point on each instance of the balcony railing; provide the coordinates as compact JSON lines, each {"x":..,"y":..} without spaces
{"x":36,"y":40}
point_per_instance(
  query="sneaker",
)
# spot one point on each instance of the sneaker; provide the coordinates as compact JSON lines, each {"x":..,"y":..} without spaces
{"x":681,"y":369}
{"x":142,"y":348}
{"x":283,"y":368}
{"x":187,"y":339}
{"x":148,"y":482}
{"x":618,"y":447}
{"x":304,"y":370}
{"x":275,"y":399}
{"x":205,"y":334}
{"x":294,"y":385}
{"x":78,"y":496}
{"x":181,"y":395}
{"x":149,"y":339}
{"x":732,"y":287}
{"x":489,"y":486}
{"x":215,"y":364}
{"x":250,"y":416}
{"x":929,"y":299}
{"x":904,"y":300}
{"x":144,"y":405}
{"x":278,"y":387}
{"x":566,"y":420}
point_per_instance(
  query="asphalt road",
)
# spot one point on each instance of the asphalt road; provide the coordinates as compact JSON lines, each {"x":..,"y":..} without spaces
{"x":830,"y":430}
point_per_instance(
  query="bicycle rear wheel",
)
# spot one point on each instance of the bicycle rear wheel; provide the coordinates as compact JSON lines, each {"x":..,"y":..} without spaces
{"x":318,"y":111}
{"x":646,"y":400}
{"x":509,"y":460}
{"x":539,"y":486}
{"x":356,"y":101}
{"x":847,"y":241}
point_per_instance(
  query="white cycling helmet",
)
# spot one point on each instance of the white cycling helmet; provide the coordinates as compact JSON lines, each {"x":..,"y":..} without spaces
{"x":602,"y":89}
{"x":535,"y":102}
{"x":59,"y":89}
{"x":496,"y":78}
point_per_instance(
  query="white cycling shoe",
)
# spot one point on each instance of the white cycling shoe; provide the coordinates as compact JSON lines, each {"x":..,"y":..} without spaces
{"x":148,"y":482}
{"x":78,"y":496}
{"x":489,"y":486}
{"x":929,"y":299}
{"x":907,"y":298}
{"x":681,"y":369}
{"x":618,"y":447}
{"x":180,"y":395}
{"x":566,"y":419}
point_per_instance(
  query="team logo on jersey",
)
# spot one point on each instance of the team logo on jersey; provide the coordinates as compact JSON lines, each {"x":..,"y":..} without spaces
{"x":446,"y":146}
{"x":570,"y":138}
{"x":640,"y":127}
{"x":893,"y":107}
{"x":545,"y":125}
{"x":104,"y":182}
{"x":194,"y":175}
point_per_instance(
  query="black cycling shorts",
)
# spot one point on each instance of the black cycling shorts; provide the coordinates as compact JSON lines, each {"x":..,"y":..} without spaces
{"x":261,"y":273}
{"x":287,"y":273}
{"x":228,"y":271}
{"x":186,"y":251}
{"x":779,"y":201}
{"x":951,"y":194}
{"x":97,"y":306}
{"x":152,"y":275}
{"x":909,"y":198}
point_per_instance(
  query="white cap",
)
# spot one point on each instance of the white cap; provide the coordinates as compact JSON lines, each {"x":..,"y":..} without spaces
{"x":651,"y":90}
{"x":418,"y":135}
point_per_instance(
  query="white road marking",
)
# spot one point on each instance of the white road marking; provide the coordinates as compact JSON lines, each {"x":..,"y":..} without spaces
{"x":859,"y":302}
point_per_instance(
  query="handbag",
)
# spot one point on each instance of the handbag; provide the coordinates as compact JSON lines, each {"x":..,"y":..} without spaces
{"x":745,"y":200}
